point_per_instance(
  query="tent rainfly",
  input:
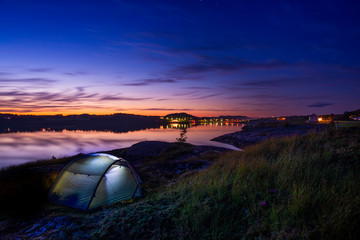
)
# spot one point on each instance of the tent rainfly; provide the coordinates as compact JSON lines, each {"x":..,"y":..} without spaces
{"x":95,"y":180}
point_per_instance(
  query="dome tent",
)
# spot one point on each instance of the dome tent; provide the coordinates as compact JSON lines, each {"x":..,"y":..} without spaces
{"x":95,"y":180}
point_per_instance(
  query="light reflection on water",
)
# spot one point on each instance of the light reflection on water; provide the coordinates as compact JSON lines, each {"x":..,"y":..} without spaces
{"x":17,"y":148}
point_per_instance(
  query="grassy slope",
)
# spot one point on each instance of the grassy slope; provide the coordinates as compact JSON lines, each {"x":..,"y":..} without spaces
{"x":299,"y":187}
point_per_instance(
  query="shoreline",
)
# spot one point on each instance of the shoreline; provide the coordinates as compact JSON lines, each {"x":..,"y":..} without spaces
{"x":250,"y":134}
{"x":259,"y":131}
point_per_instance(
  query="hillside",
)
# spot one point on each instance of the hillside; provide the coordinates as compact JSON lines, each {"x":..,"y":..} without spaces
{"x":300,"y":187}
{"x":303,"y":187}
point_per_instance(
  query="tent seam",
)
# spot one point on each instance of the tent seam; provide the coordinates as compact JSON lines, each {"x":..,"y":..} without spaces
{"x":98,"y":183}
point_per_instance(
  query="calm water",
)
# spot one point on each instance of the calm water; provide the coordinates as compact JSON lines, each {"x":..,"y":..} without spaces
{"x":17,"y":148}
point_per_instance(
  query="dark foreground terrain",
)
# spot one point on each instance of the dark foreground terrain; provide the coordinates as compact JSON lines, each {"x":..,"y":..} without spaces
{"x":299,"y":187}
{"x":26,"y":214}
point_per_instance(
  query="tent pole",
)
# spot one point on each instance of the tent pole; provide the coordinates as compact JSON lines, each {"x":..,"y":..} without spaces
{"x":97,"y":185}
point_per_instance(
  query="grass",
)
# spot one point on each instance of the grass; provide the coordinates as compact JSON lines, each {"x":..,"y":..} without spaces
{"x":302,"y":187}
{"x":344,"y":124}
{"x":24,"y":188}
{"x":291,"y":188}
{"x":284,"y":188}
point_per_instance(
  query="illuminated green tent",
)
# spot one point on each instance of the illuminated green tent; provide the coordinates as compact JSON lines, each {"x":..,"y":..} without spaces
{"x":94,"y":180}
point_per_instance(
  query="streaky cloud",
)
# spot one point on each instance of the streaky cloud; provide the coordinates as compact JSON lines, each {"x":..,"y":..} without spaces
{"x":198,"y":88}
{"x":320,"y":105}
{"x":150,"y":81}
{"x":40,"y":70}
{"x":266,"y":83}
{"x":75,"y":99}
{"x":229,"y":64}
{"x":206,"y":96}
{"x":77,"y":73}
{"x":27,"y":80}
{"x":119,"y":98}
{"x":163,"y":99}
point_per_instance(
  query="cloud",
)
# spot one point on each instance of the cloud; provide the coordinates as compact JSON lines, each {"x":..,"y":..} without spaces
{"x":12,"y":93}
{"x":205,"y":96}
{"x":198,"y":88}
{"x":13,"y":110}
{"x":75,"y":99}
{"x":77,"y":73}
{"x":181,"y":94}
{"x":119,"y":98}
{"x":39,"y":70}
{"x":291,"y":80}
{"x":43,"y":96}
{"x":271,"y":98}
{"x":27,"y":80}
{"x":229,"y":64}
{"x":266,"y":83}
{"x":320,"y":105}
{"x":167,"y":46}
{"x":163,"y":99}
{"x":205,"y":47}
{"x":151,"y":81}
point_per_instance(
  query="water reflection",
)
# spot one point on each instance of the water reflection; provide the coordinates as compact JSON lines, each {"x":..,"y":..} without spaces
{"x":189,"y":125}
{"x":21,"y":147}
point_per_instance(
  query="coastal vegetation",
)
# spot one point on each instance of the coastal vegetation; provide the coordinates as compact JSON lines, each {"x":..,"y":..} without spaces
{"x":304,"y":187}
{"x":298,"y":187}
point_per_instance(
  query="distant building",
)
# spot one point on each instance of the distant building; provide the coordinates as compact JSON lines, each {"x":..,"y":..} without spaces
{"x":354,"y":117}
{"x":180,"y":118}
{"x":313,"y":118}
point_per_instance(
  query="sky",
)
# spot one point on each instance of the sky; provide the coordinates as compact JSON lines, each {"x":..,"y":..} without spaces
{"x":203,"y":57}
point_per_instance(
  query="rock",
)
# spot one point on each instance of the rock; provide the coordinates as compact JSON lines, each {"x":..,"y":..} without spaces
{"x":147,"y":149}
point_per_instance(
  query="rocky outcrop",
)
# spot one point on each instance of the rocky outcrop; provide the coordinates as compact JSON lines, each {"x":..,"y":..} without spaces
{"x":146,"y":149}
{"x":158,"y":162}
{"x":258,"y":132}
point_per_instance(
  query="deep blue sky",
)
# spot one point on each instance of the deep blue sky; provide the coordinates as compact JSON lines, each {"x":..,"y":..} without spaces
{"x":255,"y":58}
